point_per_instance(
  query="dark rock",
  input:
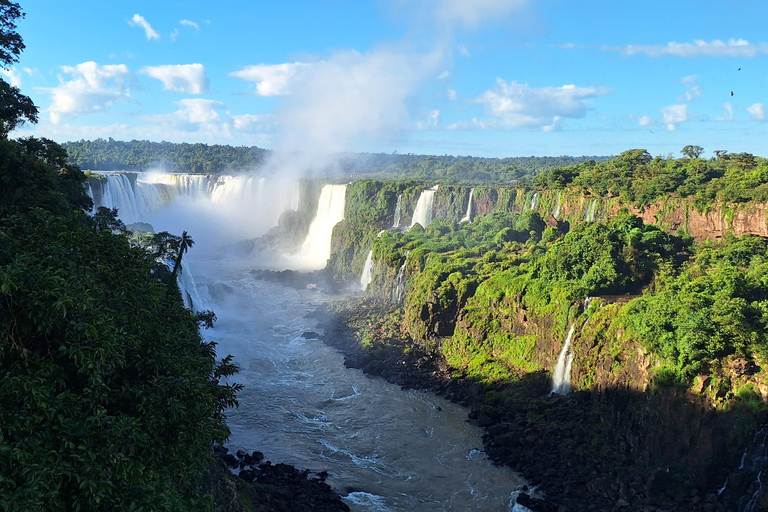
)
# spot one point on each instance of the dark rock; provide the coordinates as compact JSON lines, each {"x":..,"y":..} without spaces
{"x":310,"y":335}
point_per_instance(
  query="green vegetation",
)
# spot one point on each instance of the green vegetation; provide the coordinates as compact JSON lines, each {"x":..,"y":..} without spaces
{"x":109,"y":397}
{"x":140,"y":155}
{"x":639,"y":178}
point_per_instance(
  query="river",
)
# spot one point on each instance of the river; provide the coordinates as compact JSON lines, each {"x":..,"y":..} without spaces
{"x":385,"y":449}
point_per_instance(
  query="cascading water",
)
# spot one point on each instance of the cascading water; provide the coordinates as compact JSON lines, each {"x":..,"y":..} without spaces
{"x":188,"y":288}
{"x":398,"y":212}
{"x":398,"y":286}
{"x":592,"y":210}
{"x":468,"y":216}
{"x":561,"y":376}
{"x":534,"y":201}
{"x":558,"y":201}
{"x":424,"y":208}
{"x":367,"y":275}
{"x":316,"y":249}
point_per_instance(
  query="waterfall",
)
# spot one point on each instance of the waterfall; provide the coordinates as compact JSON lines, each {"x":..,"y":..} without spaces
{"x":468,"y":216}
{"x":316,"y":249}
{"x":296,"y":197}
{"x":223,"y":209}
{"x":561,"y":376}
{"x":424,"y":208}
{"x":398,"y":286}
{"x":591,"y":210}
{"x":365,"y":278}
{"x":398,"y":212}
{"x":556,"y":209}
{"x":193,"y":301}
{"x":534,"y":201}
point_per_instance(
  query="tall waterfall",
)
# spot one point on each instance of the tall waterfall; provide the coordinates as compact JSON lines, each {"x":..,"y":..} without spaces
{"x":424,"y":208}
{"x":468,"y":216}
{"x":591,"y":212}
{"x":316,"y":249}
{"x":188,"y":288}
{"x":398,"y":212}
{"x":561,"y":376}
{"x":367,"y":275}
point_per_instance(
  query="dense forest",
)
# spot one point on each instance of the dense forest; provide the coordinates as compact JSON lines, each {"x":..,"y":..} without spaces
{"x":112,"y":155}
{"x":109,"y":397}
{"x":637,"y":177}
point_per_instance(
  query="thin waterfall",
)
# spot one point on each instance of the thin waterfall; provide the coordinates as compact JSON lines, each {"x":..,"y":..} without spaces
{"x":398,"y":286}
{"x":468,"y":216}
{"x":558,"y":201}
{"x":591,"y":210}
{"x":193,"y":301}
{"x":561,"y":376}
{"x":367,"y":275}
{"x":398,"y":212}
{"x":534,"y":201}
{"x":296,"y":197}
{"x":316,"y":249}
{"x":424,"y":208}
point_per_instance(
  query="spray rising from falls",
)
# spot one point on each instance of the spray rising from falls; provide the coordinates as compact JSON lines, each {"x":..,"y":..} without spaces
{"x":316,"y":249}
{"x":468,"y":216}
{"x":561,"y":376}
{"x":424,"y":208}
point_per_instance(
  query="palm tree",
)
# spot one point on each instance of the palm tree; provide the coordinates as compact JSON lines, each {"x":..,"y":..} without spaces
{"x":185,"y":242}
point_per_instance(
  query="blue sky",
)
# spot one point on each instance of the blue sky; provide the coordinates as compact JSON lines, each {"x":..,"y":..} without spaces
{"x":481,"y":77}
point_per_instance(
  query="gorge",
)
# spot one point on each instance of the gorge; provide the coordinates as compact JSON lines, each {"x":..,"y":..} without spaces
{"x":445,"y":328}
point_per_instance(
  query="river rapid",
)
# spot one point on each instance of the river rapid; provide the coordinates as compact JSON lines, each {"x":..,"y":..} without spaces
{"x":385,"y":449}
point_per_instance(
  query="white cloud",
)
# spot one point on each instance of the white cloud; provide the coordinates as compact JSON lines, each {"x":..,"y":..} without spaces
{"x":728,"y":116}
{"x":250,"y":123}
{"x":189,"y":23}
{"x":13,"y":76}
{"x":175,"y":34}
{"x":430,"y":121}
{"x":185,"y":78}
{"x":756,"y":112}
{"x":700,"y":48}
{"x":463,"y":51}
{"x":139,"y":21}
{"x":693,"y":91}
{"x":516,"y":106}
{"x":644,"y":121}
{"x":674,"y":115}
{"x":452,"y":94}
{"x":471,"y":13}
{"x":274,"y":79}
{"x":93,"y":88}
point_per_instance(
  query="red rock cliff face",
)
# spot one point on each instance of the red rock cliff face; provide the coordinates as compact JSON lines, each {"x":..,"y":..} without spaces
{"x":742,"y":220}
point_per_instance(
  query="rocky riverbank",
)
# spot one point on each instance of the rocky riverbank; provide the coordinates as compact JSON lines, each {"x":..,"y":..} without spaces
{"x":260,"y":486}
{"x":612,"y":450}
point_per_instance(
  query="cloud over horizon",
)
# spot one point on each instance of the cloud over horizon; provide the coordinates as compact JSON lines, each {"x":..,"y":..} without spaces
{"x":699,"y":48}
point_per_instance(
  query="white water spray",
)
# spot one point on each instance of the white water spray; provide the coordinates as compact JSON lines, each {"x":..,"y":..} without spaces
{"x":424,"y":208}
{"x":468,"y":216}
{"x":561,"y":377}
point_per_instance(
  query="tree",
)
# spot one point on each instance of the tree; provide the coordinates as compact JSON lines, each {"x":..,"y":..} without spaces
{"x":15,"y":108}
{"x":185,"y":242}
{"x":692,"y":151}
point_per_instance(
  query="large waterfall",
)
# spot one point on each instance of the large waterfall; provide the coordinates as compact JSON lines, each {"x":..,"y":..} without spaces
{"x":316,"y":249}
{"x":226,"y":209}
{"x":468,"y":216}
{"x":561,"y":376}
{"x":424,"y":208}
